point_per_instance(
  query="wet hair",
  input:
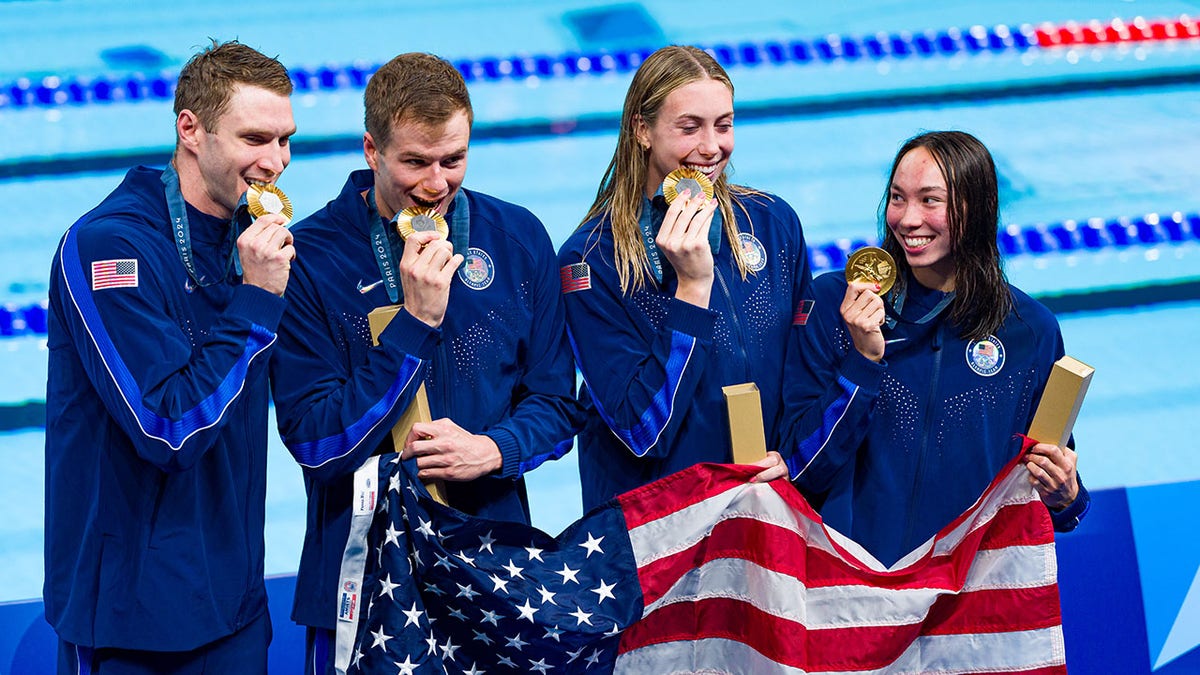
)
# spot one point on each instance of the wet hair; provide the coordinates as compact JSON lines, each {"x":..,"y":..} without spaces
{"x":982,"y":297}
{"x":621,"y":193}
{"x":208,"y":79}
{"x":414,"y":87}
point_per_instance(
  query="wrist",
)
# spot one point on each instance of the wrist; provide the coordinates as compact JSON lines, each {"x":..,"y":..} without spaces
{"x":696,"y":293}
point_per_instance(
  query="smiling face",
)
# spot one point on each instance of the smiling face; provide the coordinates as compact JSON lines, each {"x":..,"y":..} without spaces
{"x":249,"y":143}
{"x":693,"y":129}
{"x":918,"y":216}
{"x":422,"y":165}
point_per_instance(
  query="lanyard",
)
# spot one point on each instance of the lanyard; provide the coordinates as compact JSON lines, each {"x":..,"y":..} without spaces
{"x":177,"y":208}
{"x":898,"y":306}
{"x":385,"y":239}
{"x":650,"y":222}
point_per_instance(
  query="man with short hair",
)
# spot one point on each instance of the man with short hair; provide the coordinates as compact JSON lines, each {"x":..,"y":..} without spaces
{"x":164,"y":301}
{"x":482,"y":326}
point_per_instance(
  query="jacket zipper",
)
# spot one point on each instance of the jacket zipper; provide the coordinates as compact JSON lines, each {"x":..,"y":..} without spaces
{"x":919,"y":474}
{"x":737,"y":324}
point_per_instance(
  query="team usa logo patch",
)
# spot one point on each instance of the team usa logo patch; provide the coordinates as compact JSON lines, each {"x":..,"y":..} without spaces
{"x":477,"y":270}
{"x":986,"y":356}
{"x":752,"y":252}
{"x":115,"y":274}
{"x":800,"y":318}
{"x":577,"y":277}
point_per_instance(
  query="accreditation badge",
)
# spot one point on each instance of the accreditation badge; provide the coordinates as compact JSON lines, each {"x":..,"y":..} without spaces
{"x":264,"y":198}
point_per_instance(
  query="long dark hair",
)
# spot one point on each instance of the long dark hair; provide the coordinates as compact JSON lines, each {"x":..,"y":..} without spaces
{"x":982,"y":296}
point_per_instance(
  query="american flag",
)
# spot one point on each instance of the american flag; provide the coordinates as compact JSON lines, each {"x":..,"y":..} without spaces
{"x":114,"y":273}
{"x":805,"y":307}
{"x":577,"y":277}
{"x":698,"y":572}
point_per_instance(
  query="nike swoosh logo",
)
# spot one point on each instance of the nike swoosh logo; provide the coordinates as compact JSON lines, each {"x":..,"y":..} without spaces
{"x":367,"y":289}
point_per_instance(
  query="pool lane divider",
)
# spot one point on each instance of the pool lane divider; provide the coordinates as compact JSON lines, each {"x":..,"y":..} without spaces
{"x":54,"y":90}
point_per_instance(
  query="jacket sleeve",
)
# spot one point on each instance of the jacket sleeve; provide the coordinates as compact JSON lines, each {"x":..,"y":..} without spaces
{"x":640,"y":379}
{"x":170,"y":398}
{"x":333,"y":415}
{"x":829,"y":394}
{"x":545,"y":415}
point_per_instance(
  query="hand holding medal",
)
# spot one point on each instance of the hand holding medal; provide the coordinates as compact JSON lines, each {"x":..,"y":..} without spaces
{"x":863,"y":310}
{"x":266,"y":250}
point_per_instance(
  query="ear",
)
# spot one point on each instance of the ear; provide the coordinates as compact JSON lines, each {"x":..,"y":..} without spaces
{"x":370,"y":151}
{"x":641,"y":131}
{"x":189,"y":129}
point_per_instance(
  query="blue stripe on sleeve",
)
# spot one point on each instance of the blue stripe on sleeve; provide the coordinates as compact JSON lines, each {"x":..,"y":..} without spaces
{"x":312,"y":454}
{"x":807,"y":449}
{"x":654,"y":419}
{"x":204,"y":414}
{"x":560,"y":448}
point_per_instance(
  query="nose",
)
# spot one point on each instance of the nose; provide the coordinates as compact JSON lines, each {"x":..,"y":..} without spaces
{"x":275,"y":158}
{"x":706,"y":144}
{"x":910,"y":217}
{"x":434,"y":182}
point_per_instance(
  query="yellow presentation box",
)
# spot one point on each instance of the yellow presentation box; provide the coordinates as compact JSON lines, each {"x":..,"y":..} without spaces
{"x":1061,"y":401}
{"x":744,"y":407}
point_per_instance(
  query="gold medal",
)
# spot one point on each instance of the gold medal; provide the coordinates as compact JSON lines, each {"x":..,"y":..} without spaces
{"x":686,"y":179}
{"x":871,"y":264}
{"x":264,"y":198}
{"x":421,"y":219}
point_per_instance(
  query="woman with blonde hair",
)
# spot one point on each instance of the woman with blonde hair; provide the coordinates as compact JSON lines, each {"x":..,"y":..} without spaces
{"x":669,"y":302}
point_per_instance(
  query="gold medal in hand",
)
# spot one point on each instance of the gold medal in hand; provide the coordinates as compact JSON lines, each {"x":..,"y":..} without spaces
{"x":421,"y":219}
{"x":264,"y":198}
{"x":686,"y":179}
{"x":871,"y":264}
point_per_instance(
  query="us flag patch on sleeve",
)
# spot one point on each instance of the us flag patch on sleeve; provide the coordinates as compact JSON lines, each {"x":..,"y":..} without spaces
{"x":115,"y":274}
{"x":800,"y":318}
{"x":577,"y":277}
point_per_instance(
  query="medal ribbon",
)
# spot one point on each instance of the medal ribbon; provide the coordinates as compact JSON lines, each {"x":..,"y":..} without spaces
{"x":650,"y":222}
{"x":177,"y":208}
{"x":897,"y":307}
{"x":385,"y":239}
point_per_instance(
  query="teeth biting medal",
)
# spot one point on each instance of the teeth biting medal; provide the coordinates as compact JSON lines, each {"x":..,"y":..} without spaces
{"x":264,"y":198}
{"x":871,"y":264}
{"x":684,"y":178}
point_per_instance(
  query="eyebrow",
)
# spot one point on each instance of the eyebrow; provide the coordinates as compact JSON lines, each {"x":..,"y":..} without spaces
{"x":411,"y":154}
{"x":924,"y":188}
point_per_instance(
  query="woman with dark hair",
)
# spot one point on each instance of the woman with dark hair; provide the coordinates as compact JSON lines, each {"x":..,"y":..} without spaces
{"x":902,"y":407}
{"x":666,"y":304}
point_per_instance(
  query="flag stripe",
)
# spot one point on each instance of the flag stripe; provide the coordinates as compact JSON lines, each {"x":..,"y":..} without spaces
{"x":996,"y":654}
{"x":785,"y":551}
{"x":785,"y":594}
{"x":862,"y":647}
